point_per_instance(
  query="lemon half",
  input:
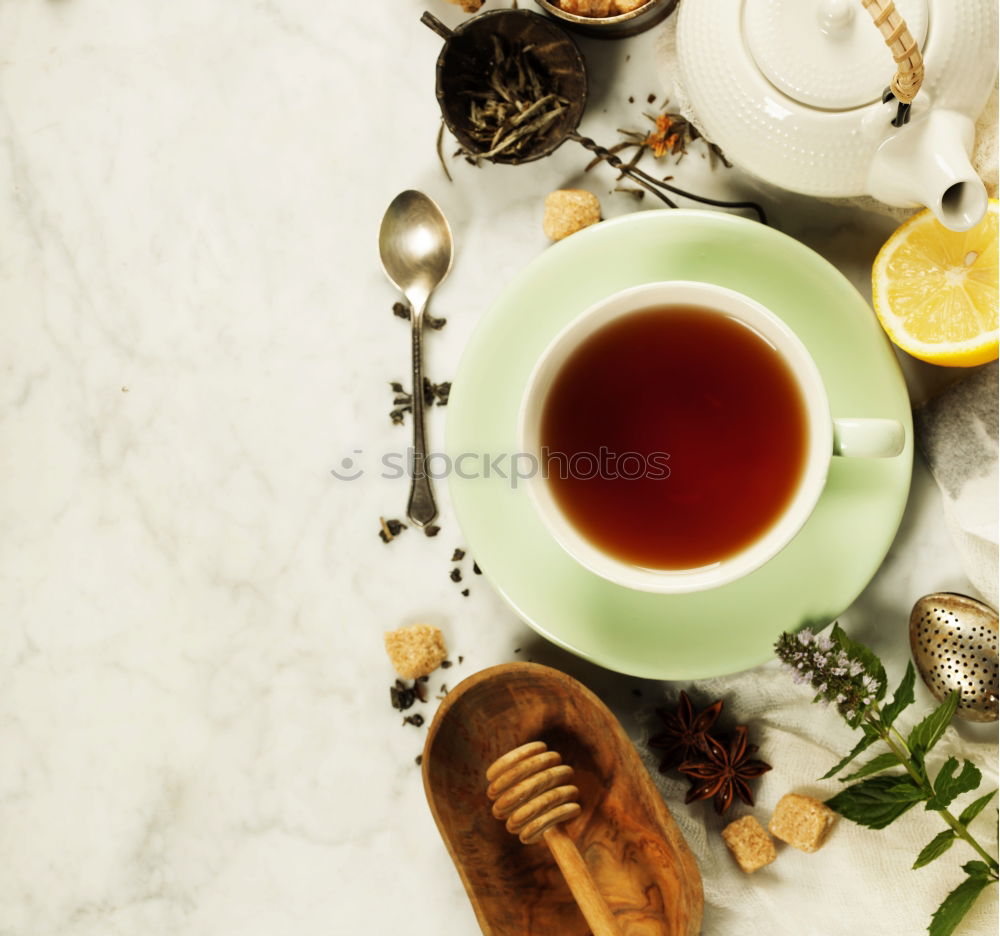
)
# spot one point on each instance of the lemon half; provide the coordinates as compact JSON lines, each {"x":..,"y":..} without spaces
{"x":935,"y":290}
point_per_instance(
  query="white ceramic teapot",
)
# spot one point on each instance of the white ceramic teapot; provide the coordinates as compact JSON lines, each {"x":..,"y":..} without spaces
{"x":795,"y":92}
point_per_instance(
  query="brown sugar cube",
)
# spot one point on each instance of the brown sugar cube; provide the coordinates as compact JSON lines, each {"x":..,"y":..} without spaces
{"x":416,"y":650}
{"x":801,"y":821}
{"x":588,"y":7}
{"x":749,"y":843}
{"x":627,"y":6}
{"x":568,"y":211}
{"x":469,"y":6}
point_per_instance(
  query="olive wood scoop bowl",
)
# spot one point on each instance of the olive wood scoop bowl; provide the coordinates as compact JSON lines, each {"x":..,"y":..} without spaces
{"x":622,"y":833}
{"x":527,"y":789}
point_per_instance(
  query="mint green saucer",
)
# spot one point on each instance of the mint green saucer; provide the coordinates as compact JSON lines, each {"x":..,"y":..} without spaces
{"x":730,"y":628}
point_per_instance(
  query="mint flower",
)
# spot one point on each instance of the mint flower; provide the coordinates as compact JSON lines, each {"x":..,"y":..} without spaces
{"x":841,"y":676}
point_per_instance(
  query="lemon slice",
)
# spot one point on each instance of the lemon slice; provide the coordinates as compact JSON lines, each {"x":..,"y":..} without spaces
{"x":935,"y":290}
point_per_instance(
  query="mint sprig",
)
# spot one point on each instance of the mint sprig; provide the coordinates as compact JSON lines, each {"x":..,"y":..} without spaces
{"x":851,"y":677}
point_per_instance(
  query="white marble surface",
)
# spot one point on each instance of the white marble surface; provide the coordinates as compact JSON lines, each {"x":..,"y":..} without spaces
{"x":195,"y":734}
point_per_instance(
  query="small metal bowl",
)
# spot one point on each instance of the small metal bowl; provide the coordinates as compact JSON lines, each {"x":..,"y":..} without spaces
{"x":613,"y":27}
{"x":468,"y":51}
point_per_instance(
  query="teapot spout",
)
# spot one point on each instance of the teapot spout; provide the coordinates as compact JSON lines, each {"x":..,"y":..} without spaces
{"x":927,"y":163}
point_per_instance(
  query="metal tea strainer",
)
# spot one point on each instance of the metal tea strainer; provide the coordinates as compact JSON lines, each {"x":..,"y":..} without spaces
{"x":953,"y":639}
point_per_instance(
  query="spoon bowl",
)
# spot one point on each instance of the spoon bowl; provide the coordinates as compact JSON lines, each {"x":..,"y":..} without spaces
{"x":415,"y":246}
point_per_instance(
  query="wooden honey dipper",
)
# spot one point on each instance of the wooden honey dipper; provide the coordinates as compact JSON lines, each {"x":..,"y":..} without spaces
{"x":529,"y":789}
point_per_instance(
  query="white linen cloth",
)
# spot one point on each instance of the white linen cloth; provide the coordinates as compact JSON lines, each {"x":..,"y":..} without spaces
{"x":957,"y":433}
{"x":861,"y":882}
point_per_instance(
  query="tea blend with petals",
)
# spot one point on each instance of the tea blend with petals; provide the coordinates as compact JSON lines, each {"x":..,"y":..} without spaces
{"x":671,"y":135}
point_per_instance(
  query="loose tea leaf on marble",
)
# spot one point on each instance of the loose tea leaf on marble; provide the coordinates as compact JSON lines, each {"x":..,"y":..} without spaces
{"x":402,"y":401}
{"x":390,"y":529}
{"x":441,"y":392}
{"x":402,"y":310}
{"x":401,"y":695}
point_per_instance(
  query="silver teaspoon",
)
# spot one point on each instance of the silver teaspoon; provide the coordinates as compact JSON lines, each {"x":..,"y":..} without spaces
{"x":415,"y":246}
{"x":954,"y":643}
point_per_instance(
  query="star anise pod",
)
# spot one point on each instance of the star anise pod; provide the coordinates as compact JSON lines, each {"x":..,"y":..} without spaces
{"x":724,"y":771}
{"x":685,"y":735}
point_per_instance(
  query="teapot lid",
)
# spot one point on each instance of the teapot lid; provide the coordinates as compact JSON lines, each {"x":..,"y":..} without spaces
{"x":824,"y":53}
{"x":826,"y":150}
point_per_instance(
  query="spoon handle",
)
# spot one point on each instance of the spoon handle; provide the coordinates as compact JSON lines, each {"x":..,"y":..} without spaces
{"x":421,"y":508}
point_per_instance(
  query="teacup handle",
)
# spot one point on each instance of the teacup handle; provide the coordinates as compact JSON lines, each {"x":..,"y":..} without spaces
{"x":868,"y":438}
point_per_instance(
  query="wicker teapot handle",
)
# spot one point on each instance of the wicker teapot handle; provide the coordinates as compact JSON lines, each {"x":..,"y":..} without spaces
{"x":909,"y":62}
